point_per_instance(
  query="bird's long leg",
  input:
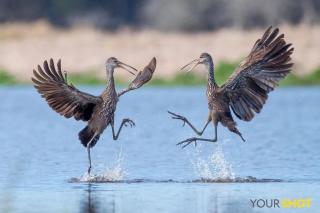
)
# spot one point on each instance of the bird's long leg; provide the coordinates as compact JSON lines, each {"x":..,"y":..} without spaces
{"x":188,"y":141}
{"x":124,"y":123}
{"x":89,"y":155}
{"x":186,"y":121}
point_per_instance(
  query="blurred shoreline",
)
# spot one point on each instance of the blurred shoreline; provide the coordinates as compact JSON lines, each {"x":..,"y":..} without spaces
{"x":84,"y":49}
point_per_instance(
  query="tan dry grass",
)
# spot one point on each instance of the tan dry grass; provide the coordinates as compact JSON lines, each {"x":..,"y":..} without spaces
{"x":23,"y":46}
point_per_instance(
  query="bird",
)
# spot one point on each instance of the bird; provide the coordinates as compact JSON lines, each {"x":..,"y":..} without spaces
{"x":142,"y":77}
{"x":245,"y":92}
{"x":68,"y":101}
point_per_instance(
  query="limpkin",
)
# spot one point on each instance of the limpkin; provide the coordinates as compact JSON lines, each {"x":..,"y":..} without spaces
{"x":68,"y":101}
{"x":246,"y":90}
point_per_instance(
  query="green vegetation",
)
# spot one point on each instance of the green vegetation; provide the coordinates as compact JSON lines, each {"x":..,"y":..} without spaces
{"x":307,"y":80}
{"x":189,"y":79}
{"x":89,"y":78}
{"x":6,"y":78}
{"x":159,"y":15}
{"x":222,"y":72}
{"x":225,"y":69}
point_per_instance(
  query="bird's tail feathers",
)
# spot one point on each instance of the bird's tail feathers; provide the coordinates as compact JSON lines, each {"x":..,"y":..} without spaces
{"x":86,"y":134}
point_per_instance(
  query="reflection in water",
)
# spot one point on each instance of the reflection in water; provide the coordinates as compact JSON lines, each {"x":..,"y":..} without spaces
{"x":92,"y":202}
{"x":216,"y":201}
{"x":215,"y":205}
{"x":89,"y":204}
{"x":239,"y":206}
{"x":203,"y":200}
{"x":231,"y":206}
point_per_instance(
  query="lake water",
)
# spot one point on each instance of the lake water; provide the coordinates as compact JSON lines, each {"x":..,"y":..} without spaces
{"x":43,"y":165}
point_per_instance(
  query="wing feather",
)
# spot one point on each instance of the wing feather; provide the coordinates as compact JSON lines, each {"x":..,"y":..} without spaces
{"x":268,"y":62}
{"x":63,"y":98}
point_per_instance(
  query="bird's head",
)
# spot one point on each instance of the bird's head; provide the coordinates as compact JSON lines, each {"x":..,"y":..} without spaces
{"x":113,"y":63}
{"x":205,"y":58}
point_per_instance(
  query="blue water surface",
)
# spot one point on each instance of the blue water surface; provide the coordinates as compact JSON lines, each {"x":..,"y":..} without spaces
{"x":43,"y":163}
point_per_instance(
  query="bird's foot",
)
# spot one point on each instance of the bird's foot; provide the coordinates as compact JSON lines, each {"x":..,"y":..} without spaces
{"x":127,"y":121}
{"x":187,"y":142}
{"x":178,"y":117}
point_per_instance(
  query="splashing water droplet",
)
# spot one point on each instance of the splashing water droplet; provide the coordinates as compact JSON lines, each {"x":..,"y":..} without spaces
{"x":214,"y":167}
{"x":114,"y":173}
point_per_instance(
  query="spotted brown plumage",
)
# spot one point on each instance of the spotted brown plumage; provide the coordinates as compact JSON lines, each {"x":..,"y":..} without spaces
{"x":142,"y":77}
{"x":62,"y":97}
{"x":68,"y":101}
{"x":248,"y":87}
{"x":246,"y":90}
{"x":145,"y":75}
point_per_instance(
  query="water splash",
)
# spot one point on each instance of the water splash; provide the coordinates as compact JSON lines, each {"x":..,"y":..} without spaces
{"x":114,"y":173}
{"x":214,"y":167}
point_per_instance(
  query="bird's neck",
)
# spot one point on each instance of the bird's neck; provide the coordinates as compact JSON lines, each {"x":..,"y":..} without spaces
{"x":211,"y":80}
{"x":110,"y":90}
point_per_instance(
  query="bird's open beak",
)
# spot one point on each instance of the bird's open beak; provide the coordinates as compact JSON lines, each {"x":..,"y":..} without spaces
{"x":126,"y":66}
{"x":195,"y":62}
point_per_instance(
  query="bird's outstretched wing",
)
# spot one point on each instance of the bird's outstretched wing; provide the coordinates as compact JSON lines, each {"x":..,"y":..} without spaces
{"x":268,"y":62}
{"x":62,"y":97}
{"x":142,"y":77}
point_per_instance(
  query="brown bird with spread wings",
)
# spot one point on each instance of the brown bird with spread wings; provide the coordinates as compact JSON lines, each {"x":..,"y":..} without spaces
{"x":69,"y":102}
{"x":246,"y":90}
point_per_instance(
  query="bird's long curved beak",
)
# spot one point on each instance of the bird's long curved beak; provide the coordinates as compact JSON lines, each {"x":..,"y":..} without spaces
{"x":126,"y":66}
{"x":195,"y":62}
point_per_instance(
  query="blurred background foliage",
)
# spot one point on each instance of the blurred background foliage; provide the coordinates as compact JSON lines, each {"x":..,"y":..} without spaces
{"x":225,"y":69}
{"x":6,"y":78}
{"x":186,"y":15}
{"x":193,"y":17}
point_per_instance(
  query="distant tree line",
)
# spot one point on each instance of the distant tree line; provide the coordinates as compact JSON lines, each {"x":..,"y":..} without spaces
{"x":186,"y":15}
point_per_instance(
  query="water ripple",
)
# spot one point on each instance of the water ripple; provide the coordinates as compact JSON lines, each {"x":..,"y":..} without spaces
{"x":249,"y":179}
